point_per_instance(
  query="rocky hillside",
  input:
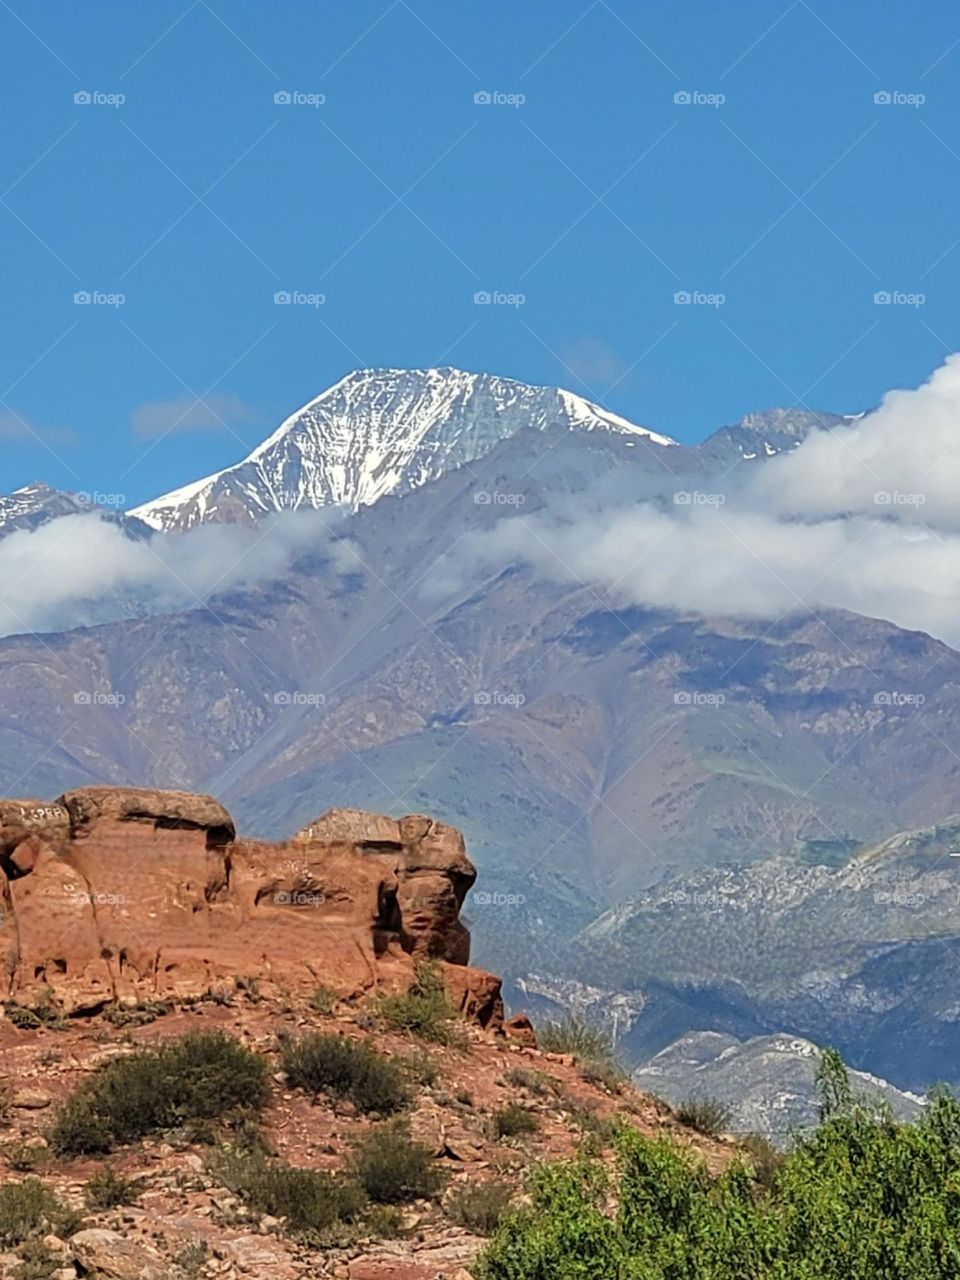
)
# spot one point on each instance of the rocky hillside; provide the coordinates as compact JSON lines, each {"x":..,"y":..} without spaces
{"x":140,"y":932}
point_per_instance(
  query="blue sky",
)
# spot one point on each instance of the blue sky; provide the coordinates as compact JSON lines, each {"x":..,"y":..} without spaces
{"x":584,"y":188}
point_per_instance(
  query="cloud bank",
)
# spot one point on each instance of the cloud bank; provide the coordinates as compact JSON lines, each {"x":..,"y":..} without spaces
{"x":84,"y":569}
{"x":865,"y":518}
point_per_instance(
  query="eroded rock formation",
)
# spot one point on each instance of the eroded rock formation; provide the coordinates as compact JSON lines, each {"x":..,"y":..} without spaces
{"x":121,"y":894}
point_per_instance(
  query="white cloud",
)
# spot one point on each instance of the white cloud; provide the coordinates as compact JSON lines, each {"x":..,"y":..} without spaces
{"x":865,"y":518}
{"x":84,"y":568}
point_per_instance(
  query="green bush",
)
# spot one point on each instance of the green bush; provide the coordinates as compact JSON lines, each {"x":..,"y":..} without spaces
{"x":203,"y":1076}
{"x":313,"y":1204}
{"x":860,"y":1198}
{"x":514,"y":1120}
{"x":393,"y":1169}
{"x":479,"y":1208}
{"x":108,"y":1189}
{"x":346,"y":1068}
{"x":28,"y":1208}
{"x":708,"y":1116}
{"x":424,"y":1010}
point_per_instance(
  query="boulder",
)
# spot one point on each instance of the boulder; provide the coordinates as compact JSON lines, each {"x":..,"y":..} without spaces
{"x":519,"y":1029}
{"x":110,"y":1256}
{"x":159,"y":809}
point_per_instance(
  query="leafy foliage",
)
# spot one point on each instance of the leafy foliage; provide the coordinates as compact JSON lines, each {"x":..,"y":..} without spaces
{"x":346,"y":1068}
{"x":202,"y":1076}
{"x":860,"y":1198}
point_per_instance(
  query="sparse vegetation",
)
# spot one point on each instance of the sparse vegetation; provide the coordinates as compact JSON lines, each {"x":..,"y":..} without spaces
{"x":513,"y":1121}
{"x":323,"y":1001}
{"x":424,"y":1010}
{"x":533,"y":1081}
{"x":392,"y":1169}
{"x":313,"y":1204}
{"x":347,"y":1069}
{"x":479,"y":1208}
{"x":109,"y":1189}
{"x":573,"y":1035}
{"x":28,"y":1208}
{"x":201,"y":1077}
{"x":26,"y":1158}
{"x":708,"y":1116}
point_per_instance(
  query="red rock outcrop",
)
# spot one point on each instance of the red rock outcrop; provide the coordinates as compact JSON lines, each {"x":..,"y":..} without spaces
{"x":120,"y":894}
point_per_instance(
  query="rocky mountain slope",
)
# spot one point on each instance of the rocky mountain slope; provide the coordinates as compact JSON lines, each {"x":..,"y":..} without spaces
{"x":378,"y":431}
{"x":136,"y":918}
{"x":861,"y":953}
{"x":767,"y":1083}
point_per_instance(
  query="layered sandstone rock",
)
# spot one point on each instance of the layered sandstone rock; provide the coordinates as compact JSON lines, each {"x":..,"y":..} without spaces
{"x":120,"y":894}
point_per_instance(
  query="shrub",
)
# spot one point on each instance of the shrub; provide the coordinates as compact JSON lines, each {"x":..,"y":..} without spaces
{"x":573,"y":1035}
{"x":28,"y":1208}
{"x":323,"y":1001}
{"x":24,"y":1158}
{"x":108,"y":1189}
{"x":393,"y":1169}
{"x":535,"y":1081}
{"x":708,"y":1116}
{"x":859,"y":1198}
{"x":423,"y":1068}
{"x":37,"y":1261}
{"x":480,"y":1208}
{"x":203,"y":1076}
{"x":312,"y":1203}
{"x":514,"y":1120}
{"x":346,"y":1068}
{"x":424,"y":1010}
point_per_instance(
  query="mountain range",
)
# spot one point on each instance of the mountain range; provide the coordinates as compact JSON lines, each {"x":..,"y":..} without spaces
{"x":599,"y":757}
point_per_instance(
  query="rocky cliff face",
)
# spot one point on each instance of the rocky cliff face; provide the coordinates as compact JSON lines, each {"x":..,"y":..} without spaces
{"x":117,"y":895}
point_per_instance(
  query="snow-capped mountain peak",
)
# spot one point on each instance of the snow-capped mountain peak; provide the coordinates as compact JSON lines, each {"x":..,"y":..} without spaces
{"x":374,"y":432}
